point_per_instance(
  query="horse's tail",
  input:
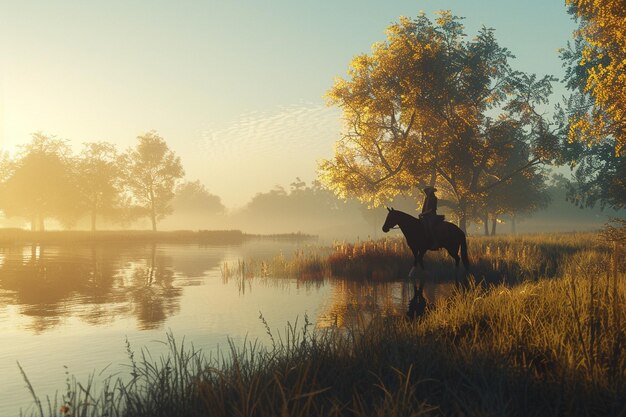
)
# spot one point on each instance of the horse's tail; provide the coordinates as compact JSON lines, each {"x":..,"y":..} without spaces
{"x":464,"y":257}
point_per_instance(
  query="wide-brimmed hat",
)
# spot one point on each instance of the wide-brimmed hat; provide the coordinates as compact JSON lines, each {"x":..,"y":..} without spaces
{"x":430,"y":189}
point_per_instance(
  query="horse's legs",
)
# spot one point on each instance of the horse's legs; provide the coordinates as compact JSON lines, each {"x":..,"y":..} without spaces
{"x":454,"y":252}
{"x":419,"y":259}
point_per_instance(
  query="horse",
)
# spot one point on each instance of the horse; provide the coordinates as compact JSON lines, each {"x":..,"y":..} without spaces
{"x":450,"y":238}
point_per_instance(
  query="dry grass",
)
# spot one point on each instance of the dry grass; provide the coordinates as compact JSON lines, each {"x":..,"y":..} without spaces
{"x":493,"y":260}
{"x":552,"y":345}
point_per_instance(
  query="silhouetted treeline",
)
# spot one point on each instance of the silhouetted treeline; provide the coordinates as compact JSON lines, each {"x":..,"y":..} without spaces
{"x":102,"y":186}
{"x":45,"y":180}
{"x":303,"y":208}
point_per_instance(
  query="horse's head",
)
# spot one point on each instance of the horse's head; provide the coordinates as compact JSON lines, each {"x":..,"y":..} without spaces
{"x":391,"y":220}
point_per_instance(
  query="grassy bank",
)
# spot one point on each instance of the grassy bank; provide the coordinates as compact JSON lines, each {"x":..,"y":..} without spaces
{"x":493,"y":260}
{"x":547,"y":346}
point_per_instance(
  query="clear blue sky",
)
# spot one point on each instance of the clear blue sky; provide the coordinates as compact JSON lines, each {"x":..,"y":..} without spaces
{"x":235,"y":87}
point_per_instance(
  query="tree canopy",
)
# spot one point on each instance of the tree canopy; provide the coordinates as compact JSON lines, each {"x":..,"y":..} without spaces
{"x":152,"y":172}
{"x":41,"y":182}
{"x":598,"y":68}
{"x":596,"y":111}
{"x":100,"y":182}
{"x":429,"y":107}
{"x":192,"y":197}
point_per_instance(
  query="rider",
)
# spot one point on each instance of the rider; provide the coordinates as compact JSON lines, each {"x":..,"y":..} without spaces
{"x":429,"y":214}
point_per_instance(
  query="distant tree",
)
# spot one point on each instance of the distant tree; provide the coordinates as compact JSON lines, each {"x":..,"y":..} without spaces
{"x":100,"y":180}
{"x":193,"y":197}
{"x":596,"y":111}
{"x":420,"y":111}
{"x":5,"y":173}
{"x":152,"y":171}
{"x":305,"y":208}
{"x":520,"y":194}
{"x":297,"y":185}
{"x":41,"y":183}
{"x":599,"y":177}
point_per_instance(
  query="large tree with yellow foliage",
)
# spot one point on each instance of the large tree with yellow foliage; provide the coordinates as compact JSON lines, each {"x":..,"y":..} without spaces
{"x":428,"y":107}
{"x":596,"y":73}
{"x":599,"y":69}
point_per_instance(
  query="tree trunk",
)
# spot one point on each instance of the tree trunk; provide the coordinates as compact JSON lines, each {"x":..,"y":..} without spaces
{"x":486,"y":222}
{"x":152,"y":210}
{"x":42,"y":225}
{"x":153,"y":218}
{"x":494,"y":222}
{"x":33,"y":223}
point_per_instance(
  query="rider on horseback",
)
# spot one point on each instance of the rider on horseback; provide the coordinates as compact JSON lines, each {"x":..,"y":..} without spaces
{"x":429,"y":215}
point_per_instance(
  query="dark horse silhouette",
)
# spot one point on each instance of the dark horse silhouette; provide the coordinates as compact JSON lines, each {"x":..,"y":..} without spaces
{"x":418,"y":304}
{"x":450,"y":237}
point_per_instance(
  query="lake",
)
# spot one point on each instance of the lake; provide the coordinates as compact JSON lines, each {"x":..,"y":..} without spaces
{"x":71,"y":307}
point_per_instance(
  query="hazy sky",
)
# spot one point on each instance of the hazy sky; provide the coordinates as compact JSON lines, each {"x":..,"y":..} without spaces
{"x":235,"y":87}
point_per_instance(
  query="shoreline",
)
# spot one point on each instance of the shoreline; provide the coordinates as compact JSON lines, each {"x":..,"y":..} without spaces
{"x":14,"y":236}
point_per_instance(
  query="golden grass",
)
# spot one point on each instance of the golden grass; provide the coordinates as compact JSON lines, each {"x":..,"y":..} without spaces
{"x":552,"y":345}
{"x":493,"y":260}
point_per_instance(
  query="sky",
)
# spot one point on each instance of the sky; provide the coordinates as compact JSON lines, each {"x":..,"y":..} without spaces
{"x":235,"y":87}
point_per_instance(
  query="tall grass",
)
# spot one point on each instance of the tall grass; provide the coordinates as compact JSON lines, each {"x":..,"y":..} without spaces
{"x":493,"y":260}
{"x":544,"y":347}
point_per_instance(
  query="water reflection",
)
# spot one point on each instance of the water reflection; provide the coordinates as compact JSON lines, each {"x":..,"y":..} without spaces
{"x":356,"y":303}
{"x":97,"y":283}
{"x":101,"y":283}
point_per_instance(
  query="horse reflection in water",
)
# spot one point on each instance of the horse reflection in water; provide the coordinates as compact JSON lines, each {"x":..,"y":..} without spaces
{"x":418,"y":304}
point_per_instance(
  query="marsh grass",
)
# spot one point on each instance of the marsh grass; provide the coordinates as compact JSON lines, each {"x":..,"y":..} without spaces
{"x":552,"y":345}
{"x":493,"y":260}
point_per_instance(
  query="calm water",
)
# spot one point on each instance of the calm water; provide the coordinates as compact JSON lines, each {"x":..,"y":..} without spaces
{"x":75,"y":305}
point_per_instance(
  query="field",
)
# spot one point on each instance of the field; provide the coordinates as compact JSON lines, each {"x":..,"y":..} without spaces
{"x":539,"y":329}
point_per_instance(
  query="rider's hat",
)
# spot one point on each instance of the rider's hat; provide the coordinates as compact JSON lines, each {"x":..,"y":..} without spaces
{"x":430,"y":189}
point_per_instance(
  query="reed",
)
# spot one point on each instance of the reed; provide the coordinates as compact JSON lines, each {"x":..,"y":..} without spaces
{"x":509,"y":259}
{"x":547,"y":346}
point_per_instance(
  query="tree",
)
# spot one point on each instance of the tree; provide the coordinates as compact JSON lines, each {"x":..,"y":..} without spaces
{"x":152,"y":172}
{"x":100,"y":180}
{"x":427,"y":107}
{"x":192,"y":197}
{"x":597,"y":67}
{"x":283,"y":211}
{"x":596,"y":111}
{"x":41,"y":183}
{"x":520,"y":194}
